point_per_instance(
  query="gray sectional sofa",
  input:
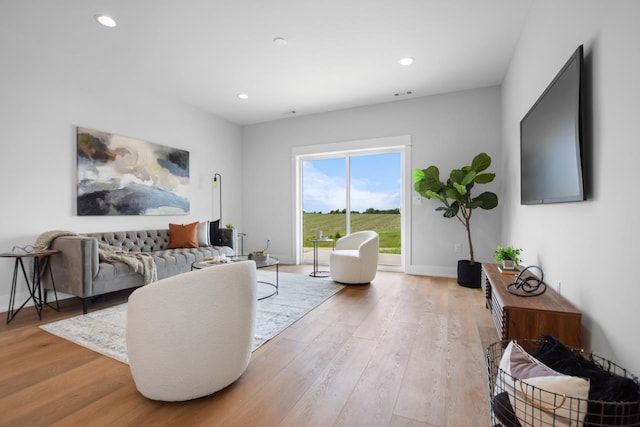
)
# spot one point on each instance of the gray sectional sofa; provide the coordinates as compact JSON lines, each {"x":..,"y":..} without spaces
{"x":78,"y":271}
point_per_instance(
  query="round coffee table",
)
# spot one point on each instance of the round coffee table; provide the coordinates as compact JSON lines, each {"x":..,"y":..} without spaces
{"x":269,"y":262}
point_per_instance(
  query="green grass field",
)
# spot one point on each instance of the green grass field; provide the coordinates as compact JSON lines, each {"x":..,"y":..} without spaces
{"x":386,"y":225}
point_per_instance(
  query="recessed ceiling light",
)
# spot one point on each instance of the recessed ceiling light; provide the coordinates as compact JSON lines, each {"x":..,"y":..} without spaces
{"x":243,"y":96}
{"x":406,"y":61}
{"x":279,"y":41}
{"x":105,"y":20}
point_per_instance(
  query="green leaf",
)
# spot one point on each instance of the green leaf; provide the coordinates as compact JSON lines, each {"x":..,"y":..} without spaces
{"x":461,"y":189}
{"x":418,"y":175}
{"x":468,"y":179}
{"x":428,"y":180}
{"x":433,"y":195}
{"x":484,"y":178}
{"x":432,"y":173}
{"x":473,"y":204}
{"x":452,"y":210}
{"x":457,"y":175}
{"x":481,"y":162}
{"x":452,"y":194}
{"x":486,"y":200}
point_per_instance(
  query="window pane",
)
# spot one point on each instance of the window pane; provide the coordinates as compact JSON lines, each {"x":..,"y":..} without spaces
{"x":375,"y":190}
{"x":323,"y":202}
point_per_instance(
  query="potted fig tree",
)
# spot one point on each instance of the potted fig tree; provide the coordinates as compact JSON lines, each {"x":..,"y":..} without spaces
{"x":455,"y":195}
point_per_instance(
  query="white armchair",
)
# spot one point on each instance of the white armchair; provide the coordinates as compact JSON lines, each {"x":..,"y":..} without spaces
{"x":191,"y":335}
{"x":355,"y":259}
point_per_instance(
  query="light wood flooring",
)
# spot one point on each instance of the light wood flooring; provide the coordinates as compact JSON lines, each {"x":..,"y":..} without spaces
{"x":403,"y":351}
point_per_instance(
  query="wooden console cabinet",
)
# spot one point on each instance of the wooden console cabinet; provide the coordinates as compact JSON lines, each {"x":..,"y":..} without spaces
{"x":529,"y":317}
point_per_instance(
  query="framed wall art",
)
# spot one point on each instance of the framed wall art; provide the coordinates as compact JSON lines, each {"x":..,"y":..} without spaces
{"x":118,"y":175}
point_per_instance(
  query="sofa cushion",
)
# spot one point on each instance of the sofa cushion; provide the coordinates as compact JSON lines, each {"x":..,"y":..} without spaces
{"x":203,"y":234}
{"x":169,"y":262}
{"x":175,"y":261}
{"x":608,"y":388}
{"x":215,"y":238}
{"x":135,"y":241}
{"x":183,"y":236}
{"x":538,"y":394}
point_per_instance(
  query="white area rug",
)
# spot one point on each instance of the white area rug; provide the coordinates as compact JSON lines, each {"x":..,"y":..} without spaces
{"x":104,"y":330}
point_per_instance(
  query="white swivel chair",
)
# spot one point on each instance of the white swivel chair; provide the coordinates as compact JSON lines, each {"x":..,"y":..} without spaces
{"x":355,"y":259}
{"x":191,"y":335}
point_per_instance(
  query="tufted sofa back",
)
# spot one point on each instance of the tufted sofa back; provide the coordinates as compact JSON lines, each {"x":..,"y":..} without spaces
{"x":135,"y":241}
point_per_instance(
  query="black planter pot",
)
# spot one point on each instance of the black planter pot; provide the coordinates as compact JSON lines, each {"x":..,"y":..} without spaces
{"x":469,"y":275}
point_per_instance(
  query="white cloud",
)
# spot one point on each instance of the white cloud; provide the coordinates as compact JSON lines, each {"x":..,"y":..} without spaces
{"x":320,"y":191}
{"x":325,"y":193}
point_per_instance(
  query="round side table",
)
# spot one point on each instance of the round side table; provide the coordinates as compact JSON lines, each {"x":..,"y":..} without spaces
{"x":316,"y":272}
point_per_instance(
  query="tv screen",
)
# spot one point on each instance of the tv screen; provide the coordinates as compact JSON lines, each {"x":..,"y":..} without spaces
{"x":551,"y":140}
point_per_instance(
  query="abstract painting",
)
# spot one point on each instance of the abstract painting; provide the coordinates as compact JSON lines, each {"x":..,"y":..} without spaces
{"x":118,"y":175}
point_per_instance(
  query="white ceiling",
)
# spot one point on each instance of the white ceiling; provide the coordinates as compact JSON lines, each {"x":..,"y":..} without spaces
{"x":340,"y":53}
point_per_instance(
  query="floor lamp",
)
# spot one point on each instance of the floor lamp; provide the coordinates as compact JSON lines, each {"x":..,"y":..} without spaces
{"x":217,"y":182}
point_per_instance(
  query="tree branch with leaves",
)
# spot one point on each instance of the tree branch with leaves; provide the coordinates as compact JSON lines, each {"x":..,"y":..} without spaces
{"x":455,"y":193}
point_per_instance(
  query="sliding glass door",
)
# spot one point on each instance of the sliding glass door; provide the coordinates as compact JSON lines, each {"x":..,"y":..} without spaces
{"x":350,"y":192}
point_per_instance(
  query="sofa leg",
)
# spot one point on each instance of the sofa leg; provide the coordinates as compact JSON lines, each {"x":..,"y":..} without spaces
{"x":85,"y":305}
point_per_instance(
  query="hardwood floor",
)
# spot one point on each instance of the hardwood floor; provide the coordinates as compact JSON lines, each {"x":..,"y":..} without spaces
{"x":403,"y":351}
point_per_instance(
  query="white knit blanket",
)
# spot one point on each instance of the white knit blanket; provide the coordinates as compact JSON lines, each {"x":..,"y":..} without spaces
{"x":140,"y":262}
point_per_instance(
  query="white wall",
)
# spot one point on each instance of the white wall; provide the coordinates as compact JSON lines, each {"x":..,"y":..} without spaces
{"x":446,"y":130}
{"x":43,"y":96}
{"x":590,"y":247}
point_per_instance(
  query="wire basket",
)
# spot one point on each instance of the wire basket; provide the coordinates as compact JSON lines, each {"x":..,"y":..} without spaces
{"x":504,"y":406}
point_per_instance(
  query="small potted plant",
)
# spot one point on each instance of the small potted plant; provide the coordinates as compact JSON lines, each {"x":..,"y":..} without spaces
{"x":509,"y":257}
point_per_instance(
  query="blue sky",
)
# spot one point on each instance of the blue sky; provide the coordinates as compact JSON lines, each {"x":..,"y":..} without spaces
{"x":375,"y":183}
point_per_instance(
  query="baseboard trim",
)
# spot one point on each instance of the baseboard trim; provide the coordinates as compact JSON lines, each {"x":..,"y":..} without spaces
{"x":432,"y":270}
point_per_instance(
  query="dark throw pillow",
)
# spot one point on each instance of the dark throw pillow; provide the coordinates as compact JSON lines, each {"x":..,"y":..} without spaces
{"x":215,"y":236}
{"x":605,"y":386}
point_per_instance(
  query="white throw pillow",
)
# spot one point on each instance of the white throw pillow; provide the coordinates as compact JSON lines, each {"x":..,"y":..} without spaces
{"x":540,"y":396}
{"x":203,"y":233}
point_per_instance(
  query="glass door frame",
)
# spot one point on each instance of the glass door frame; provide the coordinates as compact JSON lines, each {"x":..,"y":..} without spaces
{"x":398,"y":144}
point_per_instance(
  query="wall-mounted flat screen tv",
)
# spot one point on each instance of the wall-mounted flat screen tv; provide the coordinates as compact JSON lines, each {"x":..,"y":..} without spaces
{"x":551,"y":140}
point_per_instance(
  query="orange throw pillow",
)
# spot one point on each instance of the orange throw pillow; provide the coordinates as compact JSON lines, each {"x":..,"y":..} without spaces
{"x":183,"y":236}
